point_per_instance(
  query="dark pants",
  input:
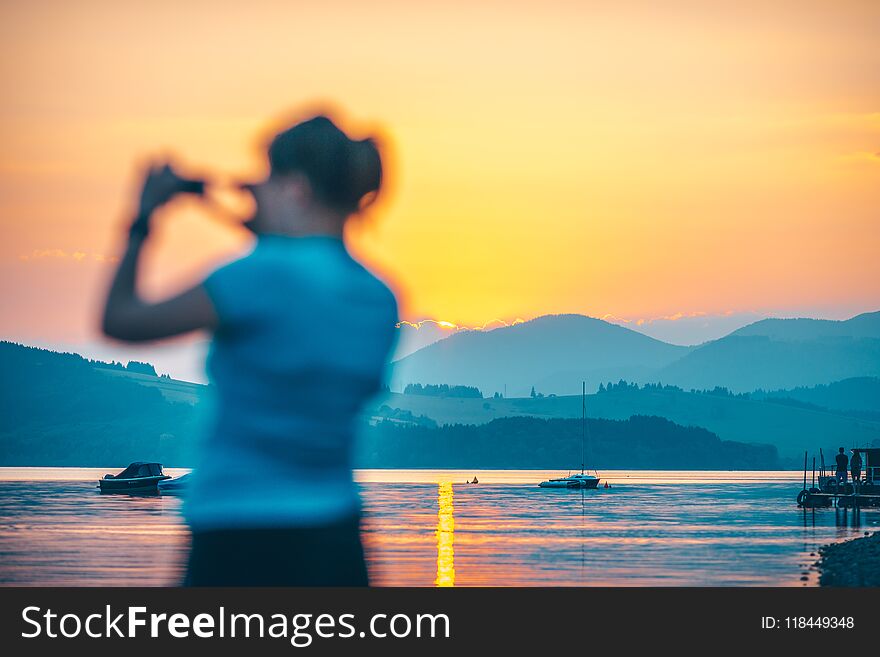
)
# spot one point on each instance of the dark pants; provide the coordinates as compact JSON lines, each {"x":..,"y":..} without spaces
{"x":841,"y":476}
{"x":329,"y":555}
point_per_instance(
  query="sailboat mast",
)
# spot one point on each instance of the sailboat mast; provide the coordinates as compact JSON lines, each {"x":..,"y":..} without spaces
{"x":583,"y":422}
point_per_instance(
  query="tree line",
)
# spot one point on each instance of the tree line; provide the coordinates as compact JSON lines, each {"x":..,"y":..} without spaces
{"x":641,"y":442}
{"x":443,"y":390}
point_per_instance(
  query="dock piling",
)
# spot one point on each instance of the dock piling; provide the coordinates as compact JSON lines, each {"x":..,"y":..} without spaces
{"x":805,"y":470}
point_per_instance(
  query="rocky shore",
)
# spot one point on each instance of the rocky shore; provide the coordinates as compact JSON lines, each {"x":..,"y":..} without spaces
{"x":851,"y":563}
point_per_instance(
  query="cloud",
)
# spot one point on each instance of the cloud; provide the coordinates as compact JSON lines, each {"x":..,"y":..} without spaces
{"x":452,"y":326}
{"x":642,"y":321}
{"x":61,"y":254}
{"x":690,"y":327}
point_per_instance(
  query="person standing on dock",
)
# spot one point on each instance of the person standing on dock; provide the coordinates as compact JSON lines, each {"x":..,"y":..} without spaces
{"x":842,"y":463}
{"x":855,"y":465}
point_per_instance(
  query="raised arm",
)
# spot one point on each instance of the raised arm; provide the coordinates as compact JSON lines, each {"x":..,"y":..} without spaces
{"x":127,"y":316}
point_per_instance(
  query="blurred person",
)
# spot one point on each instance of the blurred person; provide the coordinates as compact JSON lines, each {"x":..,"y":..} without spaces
{"x":302,"y":334}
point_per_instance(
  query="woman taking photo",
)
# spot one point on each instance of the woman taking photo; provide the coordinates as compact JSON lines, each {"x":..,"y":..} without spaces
{"x":301,"y":336}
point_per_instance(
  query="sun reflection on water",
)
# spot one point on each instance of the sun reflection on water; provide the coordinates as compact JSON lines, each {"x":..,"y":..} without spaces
{"x":445,"y":536}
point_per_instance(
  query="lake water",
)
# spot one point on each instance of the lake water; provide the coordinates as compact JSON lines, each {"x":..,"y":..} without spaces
{"x":429,"y":528}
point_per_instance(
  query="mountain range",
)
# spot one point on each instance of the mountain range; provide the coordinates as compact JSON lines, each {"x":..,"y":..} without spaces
{"x":554,"y":353}
{"x":62,"y":409}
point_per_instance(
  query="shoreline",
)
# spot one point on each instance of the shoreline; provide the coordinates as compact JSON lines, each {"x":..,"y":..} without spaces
{"x":851,"y":563}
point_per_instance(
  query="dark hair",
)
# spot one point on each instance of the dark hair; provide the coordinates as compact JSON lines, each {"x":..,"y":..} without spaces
{"x":345,"y":174}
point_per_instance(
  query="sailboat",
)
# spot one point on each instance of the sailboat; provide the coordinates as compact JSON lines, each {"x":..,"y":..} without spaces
{"x":581,"y":479}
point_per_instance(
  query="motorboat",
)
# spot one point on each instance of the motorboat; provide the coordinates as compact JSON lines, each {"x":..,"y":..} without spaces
{"x":580,"y":479}
{"x":177,"y":485}
{"x":139,"y":477}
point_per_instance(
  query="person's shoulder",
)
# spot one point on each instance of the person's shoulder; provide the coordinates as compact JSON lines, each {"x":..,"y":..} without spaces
{"x":236,"y":269}
{"x":223,"y":270}
{"x":375,"y":281}
{"x":382,"y":290}
{"x":267,"y":257}
{"x":238,"y":288}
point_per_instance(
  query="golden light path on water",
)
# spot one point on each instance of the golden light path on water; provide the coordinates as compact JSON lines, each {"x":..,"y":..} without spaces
{"x":445,"y":535}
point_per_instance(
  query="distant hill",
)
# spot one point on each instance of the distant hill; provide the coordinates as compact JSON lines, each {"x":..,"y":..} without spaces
{"x":554,"y":353}
{"x":860,"y":394}
{"x":61,"y":409}
{"x":866,"y":325}
{"x":528,"y":442}
{"x":791,"y":429}
{"x":782,"y":353}
{"x":746,"y":363}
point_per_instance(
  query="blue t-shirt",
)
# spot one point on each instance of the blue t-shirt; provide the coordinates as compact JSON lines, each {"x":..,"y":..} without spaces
{"x":302,"y":342}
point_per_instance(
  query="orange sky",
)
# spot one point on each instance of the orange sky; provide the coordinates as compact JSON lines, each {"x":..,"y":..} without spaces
{"x":602,"y":158}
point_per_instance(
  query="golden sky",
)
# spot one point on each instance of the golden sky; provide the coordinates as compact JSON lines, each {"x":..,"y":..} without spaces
{"x":633,"y":159}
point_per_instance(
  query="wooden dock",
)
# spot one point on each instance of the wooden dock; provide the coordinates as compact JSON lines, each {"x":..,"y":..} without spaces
{"x":833,"y":492}
{"x":819,"y":500}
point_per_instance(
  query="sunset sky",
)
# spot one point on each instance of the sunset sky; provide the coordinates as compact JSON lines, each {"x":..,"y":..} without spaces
{"x":634,"y":160}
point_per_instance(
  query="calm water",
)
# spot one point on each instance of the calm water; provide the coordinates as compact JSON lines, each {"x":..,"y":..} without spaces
{"x":428,"y":528}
